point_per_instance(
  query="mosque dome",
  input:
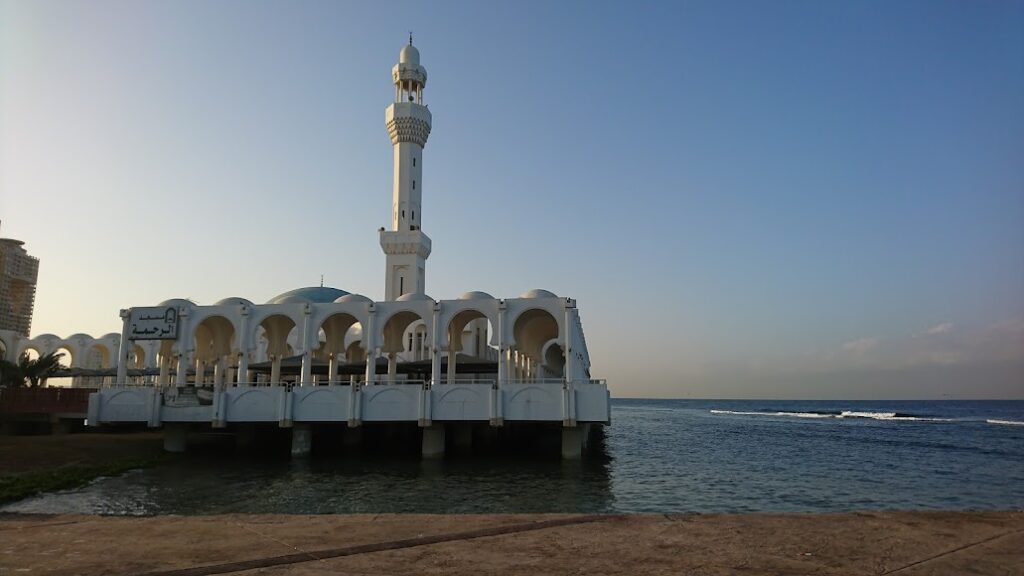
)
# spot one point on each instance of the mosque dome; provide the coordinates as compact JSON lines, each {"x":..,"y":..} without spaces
{"x":79,"y":336}
{"x":537,"y":293}
{"x":353,"y":298}
{"x":313,"y":294}
{"x":178,"y":302}
{"x":234,"y":301}
{"x":413,"y":296}
{"x":476,"y":295}
{"x":409,"y":55}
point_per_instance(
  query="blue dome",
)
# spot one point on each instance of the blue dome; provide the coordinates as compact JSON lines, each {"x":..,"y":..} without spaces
{"x":314,"y":294}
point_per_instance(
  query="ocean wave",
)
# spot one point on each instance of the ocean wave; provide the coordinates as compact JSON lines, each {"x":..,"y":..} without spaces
{"x":841,"y":414}
{"x":1006,"y":422}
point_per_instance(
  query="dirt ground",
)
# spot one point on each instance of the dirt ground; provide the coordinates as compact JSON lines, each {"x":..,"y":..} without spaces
{"x":23,"y":454}
{"x":906,"y":543}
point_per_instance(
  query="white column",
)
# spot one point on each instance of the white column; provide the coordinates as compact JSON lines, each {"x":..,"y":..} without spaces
{"x":124,"y":347}
{"x":275,"y":370}
{"x":570,"y":366}
{"x":392,"y":367}
{"x":165,"y":370}
{"x":435,"y":354}
{"x":332,"y":369}
{"x":370,"y":343}
{"x":451,"y":363}
{"x":306,"y":376}
{"x":243,"y":347}
{"x":184,"y":343}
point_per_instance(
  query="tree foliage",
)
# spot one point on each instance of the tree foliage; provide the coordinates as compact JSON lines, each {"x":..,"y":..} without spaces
{"x":26,"y":370}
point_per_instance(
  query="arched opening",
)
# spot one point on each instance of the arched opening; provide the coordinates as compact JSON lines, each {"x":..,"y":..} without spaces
{"x":468,"y":334}
{"x":273,"y":335}
{"x":97,"y":358}
{"x":532,"y":330}
{"x":334,"y":332}
{"x":3,"y":350}
{"x":66,"y":360}
{"x":553,"y":365}
{"x":395,"y":339}
{"x":214,"y":340}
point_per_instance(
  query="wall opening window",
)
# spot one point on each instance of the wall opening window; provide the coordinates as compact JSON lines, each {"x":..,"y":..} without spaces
{"x":401,"y":285}
{"x":413,"y":184}
{"x":413,"y":215}
{"x":414,"y":161}
{"x":403,"y":213}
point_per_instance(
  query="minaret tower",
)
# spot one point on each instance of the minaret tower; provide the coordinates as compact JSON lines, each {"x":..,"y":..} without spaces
{"x":408,"y":123}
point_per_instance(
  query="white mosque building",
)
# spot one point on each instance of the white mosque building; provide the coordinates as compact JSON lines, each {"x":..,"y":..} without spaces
{"x":324,"y":355}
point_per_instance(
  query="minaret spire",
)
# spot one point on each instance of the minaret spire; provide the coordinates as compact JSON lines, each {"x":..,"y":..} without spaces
{"x":408,"y":123}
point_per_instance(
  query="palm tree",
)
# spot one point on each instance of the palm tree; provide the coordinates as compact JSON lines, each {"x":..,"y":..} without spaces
{"x":35,"y":371}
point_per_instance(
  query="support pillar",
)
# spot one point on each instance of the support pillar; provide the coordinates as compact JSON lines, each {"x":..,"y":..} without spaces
{"x":572,"y":443}
{"x":175,"y":436}
{"x":433,"y":441}
{"x":451,"y":363}
{"x":352,"y":437}
{"x":302,"y":439}
{"x":124,"y":348}
{"x":275,"y":370}
{"x":392,"y":367}
{"x":332,"y":369}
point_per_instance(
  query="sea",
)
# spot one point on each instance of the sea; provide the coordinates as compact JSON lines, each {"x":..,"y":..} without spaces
{"x":660,"y":456}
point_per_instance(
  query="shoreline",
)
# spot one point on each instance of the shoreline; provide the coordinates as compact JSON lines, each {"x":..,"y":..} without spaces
{"x":753,"y":543}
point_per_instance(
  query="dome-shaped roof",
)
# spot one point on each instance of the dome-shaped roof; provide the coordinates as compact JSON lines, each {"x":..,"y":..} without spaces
{"x":177,"y":302}
{"x":413,"y":296}
{"x":409,"y":55}
{"x":111,"y":335}
{"x":79,"y":336}
{"x":537,"y":293}
{"x":234,"y":301}
{"x":353,"y":298}
{"x":476,"y":295}
{"x":314,"y":294}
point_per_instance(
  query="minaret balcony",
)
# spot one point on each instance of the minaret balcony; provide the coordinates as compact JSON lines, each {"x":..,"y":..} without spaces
{"x":408,"y":122}
{"x":405,"y":242}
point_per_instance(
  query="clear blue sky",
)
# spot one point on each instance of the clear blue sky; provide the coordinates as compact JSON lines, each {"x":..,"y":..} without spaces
{"x":747,"y":199}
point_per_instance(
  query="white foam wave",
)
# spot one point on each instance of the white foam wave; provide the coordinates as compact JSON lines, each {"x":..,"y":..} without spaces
{"x":790,"y":414}
{"x":843,"y":414}
{"x":1006,"y":422}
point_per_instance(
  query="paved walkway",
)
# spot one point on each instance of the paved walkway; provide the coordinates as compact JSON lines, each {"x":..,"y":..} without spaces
{"x":905,"y":543}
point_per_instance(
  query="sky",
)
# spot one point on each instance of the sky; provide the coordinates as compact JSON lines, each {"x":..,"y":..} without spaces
{"x":788,"y":199}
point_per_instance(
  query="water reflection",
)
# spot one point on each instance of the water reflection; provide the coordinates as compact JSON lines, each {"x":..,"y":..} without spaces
{"x":215,"y":484}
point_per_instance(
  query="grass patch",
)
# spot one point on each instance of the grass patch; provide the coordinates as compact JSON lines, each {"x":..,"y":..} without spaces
{"x":18,"y":486}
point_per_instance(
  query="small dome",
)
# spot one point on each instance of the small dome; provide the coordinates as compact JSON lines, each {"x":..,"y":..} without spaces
{"x":234,"y":301}
{"x":177,"y":302}
{"x":409,"y":55}
{"x":111,"y":335}
{"x":353,"y":298}
{"x":537,"y":293}
{"x":314,"y":294}
{"x":413,"y":296}
{"x":476,"y":295}
{"x":79,"y":336}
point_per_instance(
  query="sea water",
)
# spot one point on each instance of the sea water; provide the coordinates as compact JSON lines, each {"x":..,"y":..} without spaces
{"x":659,"y":456}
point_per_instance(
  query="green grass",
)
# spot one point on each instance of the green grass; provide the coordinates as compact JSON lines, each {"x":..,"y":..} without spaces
{"x":17,"y":486}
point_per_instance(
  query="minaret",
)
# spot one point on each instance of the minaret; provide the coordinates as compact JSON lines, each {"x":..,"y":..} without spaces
{"x":408,"y":123}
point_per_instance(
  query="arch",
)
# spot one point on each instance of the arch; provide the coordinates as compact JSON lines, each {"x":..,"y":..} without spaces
{"x":3,"y":349}
{"x":394,"y":330}
{"x":532,"y":329}
{"x":276,"y":328}
{"x":553,"y":359}
{"x":335,"y":329}
{"x":214,"y":337}
{"x":98,"y":356}
{"x":67,"y":360}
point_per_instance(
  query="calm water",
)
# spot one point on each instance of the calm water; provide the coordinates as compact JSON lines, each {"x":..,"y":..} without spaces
{"x":660,"y":456}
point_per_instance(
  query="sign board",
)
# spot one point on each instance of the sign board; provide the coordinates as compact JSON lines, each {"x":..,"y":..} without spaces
{"x":153,"y":323}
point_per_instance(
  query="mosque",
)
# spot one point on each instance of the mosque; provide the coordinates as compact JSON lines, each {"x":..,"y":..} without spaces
{"x":321,"y":355}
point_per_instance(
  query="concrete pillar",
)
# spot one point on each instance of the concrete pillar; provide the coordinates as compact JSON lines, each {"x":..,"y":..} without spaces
{"x":392,"y":367}
{"x":332,"y":369}
{"x":433,"y":441}
{"x":200,"y":372}
{"x":275,"y":370}
{"x":306,"y":376}
{"x":572,"y":443}
{"x":165,"y":371}
{"x":243,"y":347}
{"x":302,"y":439}
{"x":125,"y":346}
{"x":184,"y":344}
{"x":352,"y":437}
{"x":451,"y":363}
{"x":175,"y":436}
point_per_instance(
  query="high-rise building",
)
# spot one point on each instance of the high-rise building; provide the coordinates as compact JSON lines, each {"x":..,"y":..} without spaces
{"x":18,"y":274}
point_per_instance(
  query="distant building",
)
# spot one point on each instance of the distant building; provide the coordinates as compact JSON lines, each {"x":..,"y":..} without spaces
{"x":18,"y":274}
